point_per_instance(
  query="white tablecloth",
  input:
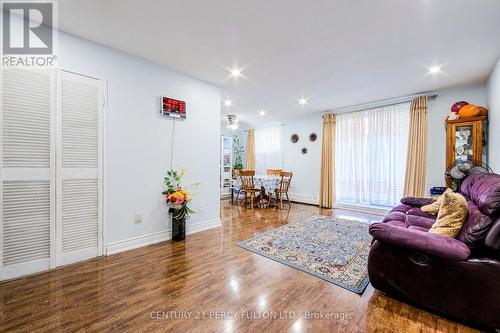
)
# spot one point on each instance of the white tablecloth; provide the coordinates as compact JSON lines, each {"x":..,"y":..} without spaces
{"x":269,"y":182}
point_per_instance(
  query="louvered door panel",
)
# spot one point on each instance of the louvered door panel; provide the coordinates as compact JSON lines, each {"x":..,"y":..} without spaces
{"x":79,"y":171}
{"x":27,"y":166}
{"x":26,"y":119}
{"x":26,"y":221}
{"x":80,"y":126}
{"x":80,"y":214}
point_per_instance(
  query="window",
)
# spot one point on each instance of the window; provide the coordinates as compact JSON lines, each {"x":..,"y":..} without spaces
{"x":268,"y":149}
{"x":370,"y":157}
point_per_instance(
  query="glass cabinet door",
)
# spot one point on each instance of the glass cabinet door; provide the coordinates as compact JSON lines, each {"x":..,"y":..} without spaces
{"x":464,"y":143}
{"x":464,"y":140}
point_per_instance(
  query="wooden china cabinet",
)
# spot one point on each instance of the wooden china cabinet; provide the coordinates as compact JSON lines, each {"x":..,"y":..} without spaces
{"x":464,"y":140}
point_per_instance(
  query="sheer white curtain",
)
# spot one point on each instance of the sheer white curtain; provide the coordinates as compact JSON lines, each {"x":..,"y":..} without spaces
{"x":370,"y":159}
{"x":268,"y":149}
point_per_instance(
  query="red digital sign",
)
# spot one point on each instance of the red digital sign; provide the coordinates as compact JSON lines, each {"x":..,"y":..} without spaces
{"x":173,"y":107}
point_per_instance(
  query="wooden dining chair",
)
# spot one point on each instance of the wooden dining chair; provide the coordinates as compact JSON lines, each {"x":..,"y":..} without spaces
{"x":273,"y":172}
{"x":248,"y":187}
{"x":286,"y":178}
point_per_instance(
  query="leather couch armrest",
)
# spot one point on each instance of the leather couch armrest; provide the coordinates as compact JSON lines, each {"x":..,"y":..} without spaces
{"x":493,"y":236}
{"x":416,"y":201}
{"x":433,"y":244}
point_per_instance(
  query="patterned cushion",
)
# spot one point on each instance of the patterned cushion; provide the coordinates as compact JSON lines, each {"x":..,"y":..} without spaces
{"x":433,"y":208}
{"x":451,"y":216}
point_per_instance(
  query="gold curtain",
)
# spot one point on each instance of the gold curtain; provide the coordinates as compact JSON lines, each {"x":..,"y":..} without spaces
{"x":251,"y":149}
{"x":417,"y":148}
{"x":327,"y":185}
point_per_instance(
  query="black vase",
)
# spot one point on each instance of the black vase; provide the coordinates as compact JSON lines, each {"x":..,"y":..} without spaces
{"x":178,"y":226}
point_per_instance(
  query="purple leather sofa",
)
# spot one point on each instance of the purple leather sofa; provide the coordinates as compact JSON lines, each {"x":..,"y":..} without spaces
{"x":458,"y":278}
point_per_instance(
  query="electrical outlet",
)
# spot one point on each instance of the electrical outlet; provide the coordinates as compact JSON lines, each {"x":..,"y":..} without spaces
{"x":137,"y":218}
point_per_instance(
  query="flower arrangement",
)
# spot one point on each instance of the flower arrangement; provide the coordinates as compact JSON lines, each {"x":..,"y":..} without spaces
{"x":179,"y":197}
{"x":175,"y":196}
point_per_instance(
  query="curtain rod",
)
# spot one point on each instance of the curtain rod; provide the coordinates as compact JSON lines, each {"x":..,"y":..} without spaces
{"x":382,"y":103}
{"x":377,"y":104}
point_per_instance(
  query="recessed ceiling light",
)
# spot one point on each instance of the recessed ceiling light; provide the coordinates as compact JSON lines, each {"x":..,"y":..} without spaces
{"x":262,"y":112}
{"x":236,"y":72}
{"x":435,"y":69}
{"x":302,"y":101}
{"x":228,"y":102}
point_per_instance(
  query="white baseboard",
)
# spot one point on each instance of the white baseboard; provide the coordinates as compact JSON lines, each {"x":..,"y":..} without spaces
{"x":192,"y":228}
{"x":157,"y":237}
{"x":139,"y":241}
{"x":312,"y":199}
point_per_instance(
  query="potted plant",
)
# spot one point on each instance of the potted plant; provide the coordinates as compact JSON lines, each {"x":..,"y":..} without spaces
{"x":238,"y":151}
{"x":177,"y":199}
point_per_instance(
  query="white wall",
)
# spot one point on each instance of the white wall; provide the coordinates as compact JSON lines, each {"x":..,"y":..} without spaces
{"x":306,"y":168}
{"x":438,"y":109}
{"x":494,"y":117}
{"x":139,"y":139}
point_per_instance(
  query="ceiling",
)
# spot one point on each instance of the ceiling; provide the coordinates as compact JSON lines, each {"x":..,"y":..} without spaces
{"x":335,"y":53}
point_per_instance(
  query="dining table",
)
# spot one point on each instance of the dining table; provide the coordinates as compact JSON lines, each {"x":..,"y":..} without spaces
{"x":267,"y":184}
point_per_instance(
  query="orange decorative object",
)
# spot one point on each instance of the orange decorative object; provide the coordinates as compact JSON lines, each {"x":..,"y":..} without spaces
{"x":469,"y":111}
{"x":483,"y":111}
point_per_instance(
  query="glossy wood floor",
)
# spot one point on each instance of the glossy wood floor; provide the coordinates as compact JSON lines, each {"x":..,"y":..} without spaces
{"x":221,"y":287}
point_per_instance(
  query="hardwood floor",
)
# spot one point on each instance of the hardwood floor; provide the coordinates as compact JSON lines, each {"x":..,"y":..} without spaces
{"x":220,"y":286}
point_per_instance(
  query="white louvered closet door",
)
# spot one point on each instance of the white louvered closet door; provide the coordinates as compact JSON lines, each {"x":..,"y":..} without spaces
{"x":27,"y":221}
{"x":79,"y":170}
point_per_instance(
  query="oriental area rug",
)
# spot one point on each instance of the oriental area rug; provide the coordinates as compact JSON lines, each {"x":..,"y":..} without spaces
{"x":333,"y":249}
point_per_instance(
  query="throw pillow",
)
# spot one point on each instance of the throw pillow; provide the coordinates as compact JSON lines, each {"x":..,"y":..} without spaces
{"x":433,"y":208}
{"x":451,"y":216}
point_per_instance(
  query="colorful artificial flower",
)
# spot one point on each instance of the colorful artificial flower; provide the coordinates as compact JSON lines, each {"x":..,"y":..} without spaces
{"x":175,"y":196}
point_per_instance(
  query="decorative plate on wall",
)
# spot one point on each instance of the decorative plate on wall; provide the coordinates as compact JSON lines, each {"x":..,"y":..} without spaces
{"x":312,"y":137}
{"x":304,"y":150}
{"x":294,"y":138}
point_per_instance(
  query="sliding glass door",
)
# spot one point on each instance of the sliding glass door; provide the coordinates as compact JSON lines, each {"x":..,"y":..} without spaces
{"x":370,"y":157}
